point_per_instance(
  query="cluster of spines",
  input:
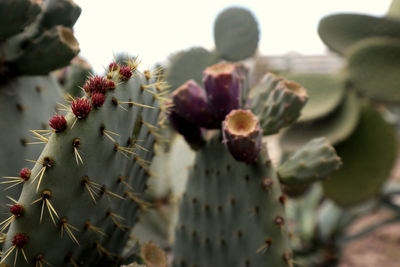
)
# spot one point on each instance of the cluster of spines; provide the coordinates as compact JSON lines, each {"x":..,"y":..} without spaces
{"x":96,"y":88}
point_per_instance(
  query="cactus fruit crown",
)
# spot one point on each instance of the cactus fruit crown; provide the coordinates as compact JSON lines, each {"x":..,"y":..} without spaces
{"x":241,"y":122}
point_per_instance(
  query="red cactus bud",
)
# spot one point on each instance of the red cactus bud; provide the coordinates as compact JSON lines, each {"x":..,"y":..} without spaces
{"x":98,"y":99}
{"x":110,"y":84}
{"x":20,"y":240}
{"x":81,"y":107}
{"x":25,"y":174}
{"x":58,"y":123}
{"x":96,"y":84}
{"x":17,"y":210}
{"x":125,"y":72}
{"x":113,"y":66}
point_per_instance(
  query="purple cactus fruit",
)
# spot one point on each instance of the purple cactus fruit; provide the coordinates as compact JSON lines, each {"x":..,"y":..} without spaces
{"x":192,"y":133}
{"x":242,"y":135}
{"x":190,"y":102}
{"x":223,"y":87}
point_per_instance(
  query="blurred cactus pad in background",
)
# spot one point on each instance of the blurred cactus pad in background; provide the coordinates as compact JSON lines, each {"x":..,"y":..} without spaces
{"x":210,"y":159}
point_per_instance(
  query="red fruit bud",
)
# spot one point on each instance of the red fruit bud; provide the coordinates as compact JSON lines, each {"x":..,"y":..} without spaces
{"x":113,"y":66}
{"x":98,"y":99}
{"x":17,"y":210}
{"x":25,"y":174}
{"x":81,"y":107}
{"x":125,"y":72}
{"x":20,"y":240}
{"x":96,"y":84}
{"x":58,"y":123}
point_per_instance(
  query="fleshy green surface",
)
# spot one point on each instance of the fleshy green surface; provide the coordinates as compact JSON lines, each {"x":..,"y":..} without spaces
{"x":312,"y":162}
{"x":227,"y":217}
{"x":188,"y":64}
{"x":15,"y":15}
{"x":26,"y":104}
{"x":279,"y":105}
{"x":116,"y":164}
{"x":341,"y":31}
{"x":236,"y":34}
{"x":373,"y":68}
{"x":325,"y":92}
{"x":368,"y":156}
{"x":336,"y":127}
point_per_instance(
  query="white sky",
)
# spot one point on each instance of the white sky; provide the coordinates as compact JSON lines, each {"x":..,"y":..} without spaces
{"x":154,"y":29}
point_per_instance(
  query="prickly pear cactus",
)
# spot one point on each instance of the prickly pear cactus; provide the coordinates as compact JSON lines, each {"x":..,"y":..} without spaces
{"x":30,"y":44}
{"x":232,"y":212}
{"x":84,"y":190}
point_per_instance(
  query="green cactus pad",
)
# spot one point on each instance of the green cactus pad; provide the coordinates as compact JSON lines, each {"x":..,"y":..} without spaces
{"x":373,"y":66}
{"x":260,"y":92}
{"x":75,"y":76}
{"x":368,"y":156}
{"x":236,"y":34}
{"x":15,"y":15}
{"x":26,"y":103}
{"x":52,"y":50}
{"x":281,"y":107}
{"x":312,"y":162}
{"x":325,"y":92}
{"x":231,"y":214}
{"x":60,"y":12}
{"x":336,"y":127}
{"x":341,"y":31}
{"x":90,"y":175}
{"x":188,"y":64}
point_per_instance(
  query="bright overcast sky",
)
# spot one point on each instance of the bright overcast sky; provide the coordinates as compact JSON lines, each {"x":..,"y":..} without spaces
{"x":153,"y":29}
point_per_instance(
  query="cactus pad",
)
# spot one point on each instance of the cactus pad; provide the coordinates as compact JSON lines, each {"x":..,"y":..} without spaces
{"x":368,"y":156}
{"x":230,"y":214}
{"x":236,"y":34}
{"x":373,"y":66}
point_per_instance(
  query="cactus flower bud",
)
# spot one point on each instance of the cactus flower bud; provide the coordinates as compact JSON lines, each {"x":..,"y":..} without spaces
{"x":58,"y":123}
{"x":223,"y":87}
{"x":242,"y":135}
{"x":81,"y":107}
{"x":190,"y":102}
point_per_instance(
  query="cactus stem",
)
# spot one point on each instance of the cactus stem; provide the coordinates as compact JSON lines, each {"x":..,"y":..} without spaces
{"x":66,"y":227}
{"x":95,"y":229}
{"x":45,"y":198}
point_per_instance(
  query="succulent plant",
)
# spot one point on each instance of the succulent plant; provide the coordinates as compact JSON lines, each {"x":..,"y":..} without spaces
{"x":232,"y":211}
{"x":71,"y":199}
{"x":372,"y":46}
{"x":35,"y":39}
